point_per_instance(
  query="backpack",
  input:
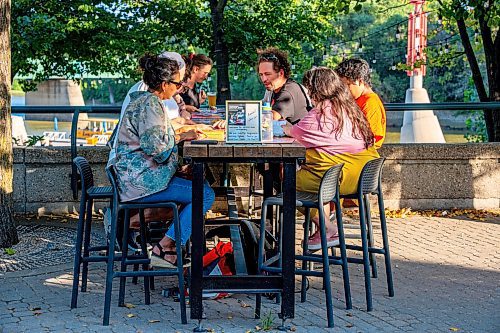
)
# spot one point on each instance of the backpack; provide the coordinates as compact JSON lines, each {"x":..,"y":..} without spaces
{"x":218,"y":261}
{"x":250,"y":234}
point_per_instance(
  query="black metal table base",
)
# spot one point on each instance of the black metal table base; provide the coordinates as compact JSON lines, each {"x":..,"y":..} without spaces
{"x":283,"y":283}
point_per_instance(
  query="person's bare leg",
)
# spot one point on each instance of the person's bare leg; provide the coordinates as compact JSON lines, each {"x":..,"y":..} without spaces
{"x":167,"y":244}
{"x":331,"y":228}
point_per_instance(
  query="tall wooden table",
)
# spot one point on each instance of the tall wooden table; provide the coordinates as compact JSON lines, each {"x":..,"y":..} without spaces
{"x":288,"y":154}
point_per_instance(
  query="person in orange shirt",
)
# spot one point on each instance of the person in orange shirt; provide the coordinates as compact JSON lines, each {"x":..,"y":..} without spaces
{"x":355,"y":73}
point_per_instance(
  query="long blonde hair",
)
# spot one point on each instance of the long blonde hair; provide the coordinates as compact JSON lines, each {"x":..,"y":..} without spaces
{"x":324,"y":84}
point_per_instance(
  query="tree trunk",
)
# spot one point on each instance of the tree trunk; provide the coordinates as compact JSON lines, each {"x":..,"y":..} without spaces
{"x":493,"y":68}
{"x":8,"y":233}
{"x":492,"y":54}
{"x":220,"y":51}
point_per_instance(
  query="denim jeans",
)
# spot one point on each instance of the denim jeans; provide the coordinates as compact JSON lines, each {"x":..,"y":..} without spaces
{"x":179,"y":190}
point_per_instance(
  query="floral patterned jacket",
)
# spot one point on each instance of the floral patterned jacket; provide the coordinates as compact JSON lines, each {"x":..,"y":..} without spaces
{"x":146,"y":152}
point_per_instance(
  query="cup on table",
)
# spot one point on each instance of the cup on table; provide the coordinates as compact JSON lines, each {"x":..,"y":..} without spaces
{"x":212,"y":99}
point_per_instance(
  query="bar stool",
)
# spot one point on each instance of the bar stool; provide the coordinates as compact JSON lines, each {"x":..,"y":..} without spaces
{"x":370,"y":183}
{"x":328,"y":192}
{"x":118,"y":206}
{"x":88,"y":194}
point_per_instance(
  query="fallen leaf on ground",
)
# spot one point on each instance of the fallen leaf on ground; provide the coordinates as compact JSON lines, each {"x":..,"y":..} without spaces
{"x":454,"y":329}
{"x":153,"y":321}
{"x":349,"y":325}
{"x":129,"y":305}
{"x":35,"y":308}
{"x":244,"y":305}
{"x":348,"y":314}
{"x":131,"y":315}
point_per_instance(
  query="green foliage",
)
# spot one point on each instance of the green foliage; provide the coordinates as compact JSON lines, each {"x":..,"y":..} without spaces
{"x":79,"y":37}
{"x":16,"y":85}
{"x":105,"y":91}
{"x":82,"y":37}
{"x":476,"y":127}
{"x":9,"y":251}
{"x":267,"y":322}
{"x":33,"y":139}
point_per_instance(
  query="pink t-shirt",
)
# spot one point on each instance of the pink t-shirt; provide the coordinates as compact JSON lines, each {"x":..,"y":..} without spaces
{"x":316,"y":131}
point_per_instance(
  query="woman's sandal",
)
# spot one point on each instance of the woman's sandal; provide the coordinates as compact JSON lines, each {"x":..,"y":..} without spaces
{"x":158,"y":260}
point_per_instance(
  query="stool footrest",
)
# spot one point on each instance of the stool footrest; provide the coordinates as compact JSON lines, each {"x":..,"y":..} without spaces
{"x":319,"y":258}
{"x":145,"y":273}
{"x":370,"y":249}
{"x":98,"y":248}
{"x":137,"y":261}
{"x":350,"y":259}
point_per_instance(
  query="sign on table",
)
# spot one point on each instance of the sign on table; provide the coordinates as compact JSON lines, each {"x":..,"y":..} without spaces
{"x":244,"y":120}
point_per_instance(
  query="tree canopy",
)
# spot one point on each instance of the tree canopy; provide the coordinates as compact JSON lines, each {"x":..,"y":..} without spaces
{"x":87,"y":37}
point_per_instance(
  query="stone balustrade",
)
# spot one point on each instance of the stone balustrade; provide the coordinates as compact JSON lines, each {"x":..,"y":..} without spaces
{"x":420,"y":176}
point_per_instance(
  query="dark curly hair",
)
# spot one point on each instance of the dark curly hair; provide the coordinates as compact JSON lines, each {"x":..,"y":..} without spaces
{"x":324,"y":84}
{"x":355,"y":69}
{"x":198,"y":60}
{"x":277,"y":57}
{"x":157,"y":70}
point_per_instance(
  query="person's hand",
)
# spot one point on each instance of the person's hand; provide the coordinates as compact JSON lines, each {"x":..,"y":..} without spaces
{"x":190,"y":135}
{"x":219,"y":124}
{"x":287,"y":128}
{"x":191,"y":108}
{"x":203,"y":96}
{"x":203,"y":127}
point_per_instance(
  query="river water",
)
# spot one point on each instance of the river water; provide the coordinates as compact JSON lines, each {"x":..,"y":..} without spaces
{"x":35,"y":127}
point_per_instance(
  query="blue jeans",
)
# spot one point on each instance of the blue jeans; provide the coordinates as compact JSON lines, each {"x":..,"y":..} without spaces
{"x":180,"y":191}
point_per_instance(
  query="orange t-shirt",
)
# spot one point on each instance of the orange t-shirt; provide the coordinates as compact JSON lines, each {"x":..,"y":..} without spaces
{"x":374,"y":110}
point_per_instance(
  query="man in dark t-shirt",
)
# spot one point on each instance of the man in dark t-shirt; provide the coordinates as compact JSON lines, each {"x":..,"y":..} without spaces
{"x":288,"y":99}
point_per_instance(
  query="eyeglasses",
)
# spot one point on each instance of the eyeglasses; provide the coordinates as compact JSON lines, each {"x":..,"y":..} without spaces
{"x":270,"y":57}
{"x":178,"y":85}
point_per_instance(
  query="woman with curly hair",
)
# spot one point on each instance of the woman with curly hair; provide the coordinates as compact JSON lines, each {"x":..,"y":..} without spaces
{"x":335,"y":131}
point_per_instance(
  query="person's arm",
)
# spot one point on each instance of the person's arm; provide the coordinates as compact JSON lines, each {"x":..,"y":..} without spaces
{"x":154,"y":137}
{"x":284,"y":105}
{"x":186,"y":136}
{"x":375,"y":114}
{"x":192,"y":108}
{"x":307,"y":130}
{"x":276,"y":115}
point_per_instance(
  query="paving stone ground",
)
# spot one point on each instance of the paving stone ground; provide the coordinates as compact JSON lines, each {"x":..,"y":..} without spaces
{"x":446,"y":275}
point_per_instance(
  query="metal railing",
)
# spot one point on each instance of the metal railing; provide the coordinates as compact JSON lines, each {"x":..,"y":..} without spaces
{"x":76,"y":110}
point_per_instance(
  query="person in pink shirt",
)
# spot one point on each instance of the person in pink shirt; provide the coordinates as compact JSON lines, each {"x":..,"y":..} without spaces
{"x":335,"y":131}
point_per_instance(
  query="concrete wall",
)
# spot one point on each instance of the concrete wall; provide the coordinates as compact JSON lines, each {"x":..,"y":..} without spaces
{"x":420,"y":176}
